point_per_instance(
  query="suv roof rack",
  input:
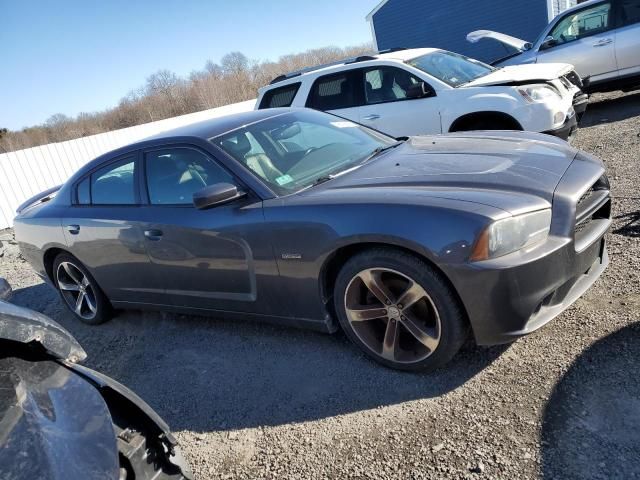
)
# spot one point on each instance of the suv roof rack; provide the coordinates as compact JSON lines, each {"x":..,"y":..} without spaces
{"x":394,"y":49}
{"x":344,"y":61}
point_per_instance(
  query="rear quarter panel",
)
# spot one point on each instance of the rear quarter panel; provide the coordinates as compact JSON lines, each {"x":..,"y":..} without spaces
{"x":38,"y":230}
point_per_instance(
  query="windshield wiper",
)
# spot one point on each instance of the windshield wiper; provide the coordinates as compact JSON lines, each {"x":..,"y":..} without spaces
{"x":377,"y":151}
{"x":323,"y":179}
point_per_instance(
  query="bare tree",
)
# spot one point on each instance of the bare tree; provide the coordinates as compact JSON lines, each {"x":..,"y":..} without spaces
{"x":165,"y":94}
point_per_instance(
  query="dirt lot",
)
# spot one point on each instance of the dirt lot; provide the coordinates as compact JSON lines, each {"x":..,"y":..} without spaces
{"x":256,"y":401}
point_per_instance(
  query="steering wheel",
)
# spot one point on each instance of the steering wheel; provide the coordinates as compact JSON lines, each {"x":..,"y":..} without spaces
{"x":309,"y":150}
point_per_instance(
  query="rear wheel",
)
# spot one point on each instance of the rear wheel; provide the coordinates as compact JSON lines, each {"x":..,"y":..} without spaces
{"x":399,"y":310}
{"x":79,"y":291}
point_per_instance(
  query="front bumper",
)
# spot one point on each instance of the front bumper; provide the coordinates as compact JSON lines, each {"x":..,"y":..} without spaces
{"x":513,"y":301}
{"x":580,"y":102}
{"x":567,"y":130}
{"x":514,"y":295}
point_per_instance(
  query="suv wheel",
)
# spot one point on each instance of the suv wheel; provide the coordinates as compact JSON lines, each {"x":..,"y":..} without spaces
{"x":398,"y":310}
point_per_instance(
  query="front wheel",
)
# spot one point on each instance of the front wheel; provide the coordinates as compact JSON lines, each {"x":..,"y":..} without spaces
{"x":80,"y":291}
{"x":399,"y":310}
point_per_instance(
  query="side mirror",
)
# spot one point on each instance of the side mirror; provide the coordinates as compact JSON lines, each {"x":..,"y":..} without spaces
{"x":548,"y":43}
{"x":5,"y":290}
{"x":420,"y":90}
{"x":215,"y":195}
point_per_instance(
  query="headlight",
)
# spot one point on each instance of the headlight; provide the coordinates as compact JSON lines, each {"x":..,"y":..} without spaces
{"x":511,"y":234}
{"x":538,"y":93}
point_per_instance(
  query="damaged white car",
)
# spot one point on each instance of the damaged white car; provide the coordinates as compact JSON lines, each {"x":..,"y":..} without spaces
{"x":404,"y":92}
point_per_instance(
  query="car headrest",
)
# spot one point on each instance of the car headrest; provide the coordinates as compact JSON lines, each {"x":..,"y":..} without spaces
{"x":239,"y":146}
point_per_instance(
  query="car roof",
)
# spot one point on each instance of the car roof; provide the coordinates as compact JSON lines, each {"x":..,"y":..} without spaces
{"x":213,"y":127}
{"x":579,"y":6}
{"x":400,"y":55}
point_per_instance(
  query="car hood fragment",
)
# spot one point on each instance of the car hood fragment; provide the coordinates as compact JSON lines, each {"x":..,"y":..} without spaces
{"x":484,"y":167}
{"x":23,"y":325}
{"x":522,"y":74}
{"x":505,"y":39}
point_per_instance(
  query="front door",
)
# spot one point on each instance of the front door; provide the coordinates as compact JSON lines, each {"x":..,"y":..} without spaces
{"x":215,"y":259}
{"x":585,"y":39}
{"x":388,"y":108}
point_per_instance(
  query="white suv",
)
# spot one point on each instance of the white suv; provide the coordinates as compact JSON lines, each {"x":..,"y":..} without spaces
{"x":406,"y":92}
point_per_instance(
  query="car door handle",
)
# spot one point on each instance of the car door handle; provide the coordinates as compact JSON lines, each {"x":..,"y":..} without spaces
{"x":73,"y":229}
{"x":603,"y":42}
{"x":153,"y":234}
{"x":373,"y":116}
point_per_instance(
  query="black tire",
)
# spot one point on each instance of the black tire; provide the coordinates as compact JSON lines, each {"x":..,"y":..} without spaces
{"x":452,"y":328}
{"x":95,"y":297}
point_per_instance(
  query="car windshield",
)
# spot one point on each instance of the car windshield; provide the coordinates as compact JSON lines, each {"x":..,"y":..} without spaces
{"x":451,"y":68}
{"x":292,"y":151}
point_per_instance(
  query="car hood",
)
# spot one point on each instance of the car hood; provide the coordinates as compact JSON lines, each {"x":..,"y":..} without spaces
{"x":23,"y":325}
{"x":522,"y":74}
{"x":53,"y":423}
{"x":482,"y":167}
{"x":508,"y":40}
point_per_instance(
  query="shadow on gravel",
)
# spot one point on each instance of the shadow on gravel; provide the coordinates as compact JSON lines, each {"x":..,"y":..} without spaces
{"x":611,"y":110}
{"x":632,"y":226}
{"x":591,"y":425}
{"x":204,"y":374}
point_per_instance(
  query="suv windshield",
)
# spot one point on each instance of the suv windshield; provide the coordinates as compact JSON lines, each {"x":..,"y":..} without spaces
{"x":295,"y":150}
{"x":451,"y":68}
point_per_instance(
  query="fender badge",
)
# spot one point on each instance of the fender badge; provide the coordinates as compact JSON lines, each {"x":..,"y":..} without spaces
{"x":291,"y":256}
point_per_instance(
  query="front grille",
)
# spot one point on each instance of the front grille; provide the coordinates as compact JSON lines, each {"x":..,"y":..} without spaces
{"x":593,"y":205}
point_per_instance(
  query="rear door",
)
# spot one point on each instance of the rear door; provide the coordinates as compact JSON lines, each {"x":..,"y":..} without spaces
{"x":104,"y":232}
{"x":628,"y":37}
{"x":340,"y":93}
{"x":214,"y":259}
{"x":586,"y":39}
{"x":388,"y":109}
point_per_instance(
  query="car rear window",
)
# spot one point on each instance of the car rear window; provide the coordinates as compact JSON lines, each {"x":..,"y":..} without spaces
{"x":114,"y":184}
{"x":339,"y":90}
{"x":279,"y":97}
{"x":630,"y":11}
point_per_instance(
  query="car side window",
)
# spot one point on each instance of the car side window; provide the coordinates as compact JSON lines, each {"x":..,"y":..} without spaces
{"x":114,"y":184}
{"x":279,"y":97}
{"x":629,"y":12}
{"x":387,"y":84}
{"x":583,"y":23}
{"x":336,"y":91}
{"x":174,"y":174}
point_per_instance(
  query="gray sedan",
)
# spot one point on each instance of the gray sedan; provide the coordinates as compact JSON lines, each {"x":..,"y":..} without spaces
{"x":303,"y":218}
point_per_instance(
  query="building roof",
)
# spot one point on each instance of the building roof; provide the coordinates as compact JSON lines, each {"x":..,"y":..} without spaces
{"x":377,"y":7}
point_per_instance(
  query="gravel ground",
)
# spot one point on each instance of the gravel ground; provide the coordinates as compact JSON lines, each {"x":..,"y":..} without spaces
{"x":257,"y":401}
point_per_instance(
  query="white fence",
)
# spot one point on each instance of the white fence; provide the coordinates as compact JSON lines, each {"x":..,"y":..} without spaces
{"x":25,"y":173}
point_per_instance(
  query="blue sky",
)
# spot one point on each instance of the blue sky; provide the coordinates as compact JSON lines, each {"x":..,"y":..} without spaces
{"x":72,"y":56}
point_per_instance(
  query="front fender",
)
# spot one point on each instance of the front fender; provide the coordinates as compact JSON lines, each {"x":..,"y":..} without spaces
{"x":469,"y":101}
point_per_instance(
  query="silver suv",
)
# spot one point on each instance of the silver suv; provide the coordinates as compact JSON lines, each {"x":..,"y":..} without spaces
{"x":601,"y":39}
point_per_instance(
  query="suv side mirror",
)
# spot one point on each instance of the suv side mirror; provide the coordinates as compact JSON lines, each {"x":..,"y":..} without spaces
{"x":548,"y":43}
{"x":420,"y":90}
{"x":5,"y":289}
{"x":215,"y":195}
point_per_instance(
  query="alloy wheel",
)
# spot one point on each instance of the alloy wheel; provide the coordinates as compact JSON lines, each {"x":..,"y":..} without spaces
{"x":76,"y":290}
{"x":392,"y":315}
